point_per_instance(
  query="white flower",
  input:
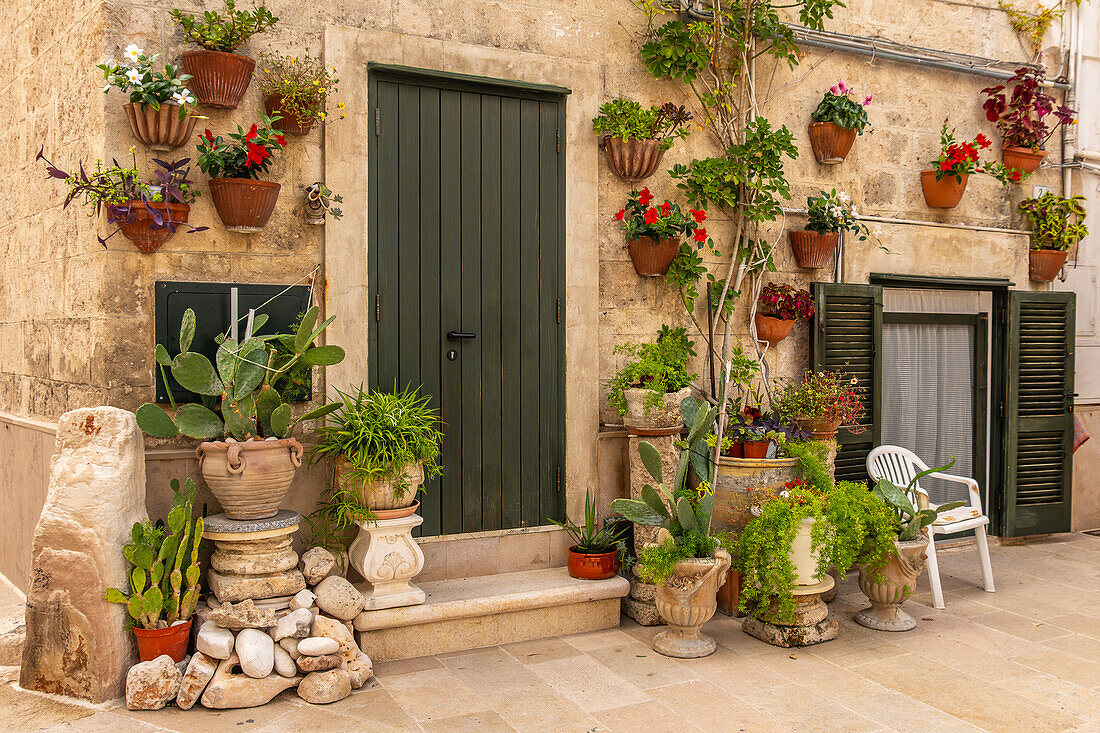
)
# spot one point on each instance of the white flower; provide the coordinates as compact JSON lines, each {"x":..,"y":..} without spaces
{"x":844,"y":197}
{"x":179,"y":98}
{"x":133,"y":75}
{"x":133,"y":52}
{"x":876,"y":231}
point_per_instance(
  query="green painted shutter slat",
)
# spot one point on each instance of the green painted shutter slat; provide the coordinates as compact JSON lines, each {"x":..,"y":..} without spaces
{"x":1038,"y":423}
{"x":388,"y":262}
{"x":489,"y":333}
{"x":470,"y":361}
{"x":529,"y":405}
{"x":847,"y":337}
{"x":548,"y":327}
{"x":512,"y":477}
{"x":408,"y":234}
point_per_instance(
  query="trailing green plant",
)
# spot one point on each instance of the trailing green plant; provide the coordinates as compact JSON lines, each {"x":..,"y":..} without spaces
{"x":591,"y":538}
{"x":836,"y":212}
{"x":911,"y":517}
{"x":164,"y":582}
{"x":838,"y":107}
{"x":226,"y":32}
{"x":626,"y":119}
{"x":238,"y":398}
{"x":822,"y":395}
{"x":660,"y":368}
{"x":304,"y":85}
{"x":1057,"y":222}
{"x":145,"y":86}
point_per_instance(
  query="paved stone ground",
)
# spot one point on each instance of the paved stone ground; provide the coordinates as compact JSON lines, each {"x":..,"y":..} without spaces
{"x":1026,"y":658}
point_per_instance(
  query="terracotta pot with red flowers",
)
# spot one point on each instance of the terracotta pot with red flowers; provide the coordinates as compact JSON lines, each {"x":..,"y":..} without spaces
{"x":945,"y":182}
{"x":821,"y":402}
{"x":159,"y":110}
{"x":244,"y":203}
{"x":778,"y":308}
{"x":653,"y":232}
{"x":836,"y":122}
{"x":1021,"y":116}
{"x":1057,"y":224}
{"x":828,"y":215}
{"x":634,"y":138}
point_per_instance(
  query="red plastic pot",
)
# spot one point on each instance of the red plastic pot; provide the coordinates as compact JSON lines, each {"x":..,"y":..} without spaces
{"x":652,"y":257}
{"x":592,"y":565}
{"x":1045,"y":264}
{"x":756,"y":448}
{"x":149,"y":240}
{"x":218,"y":79}
{"x":288,"y":122}
{"x":831,"y":142}
{"x":772,"y":329}
{"x":945,"y":193}
{"x":813,"y":250}
{"x":152,"y":643}
{"x":1024,"y":159}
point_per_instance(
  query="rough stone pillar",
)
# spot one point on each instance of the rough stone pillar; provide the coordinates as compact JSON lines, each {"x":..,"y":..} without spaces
{"x":77,"y":644}
{"x":639,"y":477}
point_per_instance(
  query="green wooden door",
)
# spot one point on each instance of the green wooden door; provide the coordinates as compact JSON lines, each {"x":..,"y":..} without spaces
{"x":1038,"y":413}
{"x":466,"y":273}
{"x":847,"y":337}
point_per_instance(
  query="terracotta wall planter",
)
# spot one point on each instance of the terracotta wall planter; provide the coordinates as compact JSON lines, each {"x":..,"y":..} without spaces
{"x":244,"y":205}
{"x":1024,"y":159}
{"x":945,"y":193}
{"x":218,"y":79}
{"x":173,"y":640}
{"x":664,"y":419}
{"x":288,"y":122}
{"x":249,"y":478}
{"x":772,"y":329}
{"x":149,"y":240}
{"x":160,"y":129}
{"x":379,"y":495}
{"x":821,"y":428}
{"x":632,"y":160}
{"x":652,"y":257}
{"x":592,"y":565}
{"x":813,"y":250}
{"x":831,"y":142}
{"x":1043,"y":265}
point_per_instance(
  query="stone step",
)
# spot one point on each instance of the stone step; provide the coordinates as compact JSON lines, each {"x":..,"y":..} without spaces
{"x":468,"y":613}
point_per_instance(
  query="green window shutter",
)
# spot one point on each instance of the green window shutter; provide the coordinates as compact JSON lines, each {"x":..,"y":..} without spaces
{"x":1038,"y":409}
{"x":847,"y":337}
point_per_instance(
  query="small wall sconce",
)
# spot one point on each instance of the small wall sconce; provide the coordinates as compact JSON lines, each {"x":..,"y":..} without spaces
{"x":319,"y":202}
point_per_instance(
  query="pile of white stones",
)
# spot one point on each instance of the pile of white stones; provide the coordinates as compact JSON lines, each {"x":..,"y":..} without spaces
{"x":247,"y":654}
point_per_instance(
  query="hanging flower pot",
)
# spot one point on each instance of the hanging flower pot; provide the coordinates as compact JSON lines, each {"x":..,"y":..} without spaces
{"x":945,"y":193}
{"x":1045,"y":264}
{"x":632,"y":160}
{"x":1024,"y":159}
{"x":634,"y":138}
{"x":289,"y":120}
{"x":160,"y":129}
{"x":831,"y":142}
{"x":244,"y":205}
{"x":243,"y":202}
{"x":218,"y":79}
{"x":813,"y":250}
{"x":653,"y":231}
{"x":822,"y":428}
{"x":141,"y":230}
{"x":171,"y":640}
{"x":772,"y":329}
{"x":651,"y":256}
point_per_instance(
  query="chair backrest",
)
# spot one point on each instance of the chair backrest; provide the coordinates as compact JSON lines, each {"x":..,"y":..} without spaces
{"x":895,"y":464}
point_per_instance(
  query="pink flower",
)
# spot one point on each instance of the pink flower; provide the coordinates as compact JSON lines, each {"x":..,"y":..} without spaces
{"x":834,"y":89}
{"x":867,"y":100}
{"x":842,"y":85}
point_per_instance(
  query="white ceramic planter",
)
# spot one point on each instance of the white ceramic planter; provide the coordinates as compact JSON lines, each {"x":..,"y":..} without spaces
{"x":802,"y":555}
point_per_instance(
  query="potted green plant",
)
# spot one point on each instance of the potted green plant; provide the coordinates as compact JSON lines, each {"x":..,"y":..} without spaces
{"x":778,"y":308}
{"x":383,"y":447}
{"x":828,"y":215}
{"x":220,"y":76}
{"x":243,"y":202}
{"x":296,"y":91}
{"x":1020,"y":115}
{"x":595,"y":551}
{"x":648,"y":389}
{"x":821,"y":402}
{"x":687,"y":563}
{"x":944,"y":183}
{"x":836,"y":122}
{"x":146,"y":213}
{"x":164,"y":584}
{"x":1057,"y":224}
{"x":653,"y":232}
{"x":248,"y":456}
{"x":634,"y":138}
{"x":159,"y":110}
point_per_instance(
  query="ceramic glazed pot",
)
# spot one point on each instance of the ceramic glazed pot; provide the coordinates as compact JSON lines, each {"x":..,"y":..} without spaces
{"x":898,"y":579}
{"x":945,"y":193}
{"x":756,"y":448}
{"x":1024,"y":159}
{"x":831,"y":142}
{"x":149,"y":240}
{"x":173,"y":640}
{"x":592,"y":565}
{"x":1043,"y":265}
{"x":244,"y":205}
{"x":218,"y":79}
{"x":664,"y":419}
{"x":380,"y":495}
{"x":821,"y":428}
{"x":813,"y":250}
{"x":249,"y":478}
{"x":160,"y":129}
{"x":288,"y":122}
{"x":687,"y":609}
{"x":802,"y":556}
{"x":632,"y":160}
{"x":651,"y":257}
{"x":772,"y":329}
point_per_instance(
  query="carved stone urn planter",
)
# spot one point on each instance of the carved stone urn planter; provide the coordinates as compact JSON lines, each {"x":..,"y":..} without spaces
{"x":898,"y":579}
{"x":687,"y":601}
{"x":383,"y":495}
{"x":663,"y":419}
{"x":160,"y":129}
{"x":1043,"y":265}
{"x":1024,"y":159}
{"x":632,"y":160}
{"x":387,"y":556}
{"x":218,"y":79}
{"x":249,"y":478}
{"x":831,"y":142}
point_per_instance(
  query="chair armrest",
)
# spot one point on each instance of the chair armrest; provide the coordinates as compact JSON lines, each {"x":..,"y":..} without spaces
{"x":971,"y":484}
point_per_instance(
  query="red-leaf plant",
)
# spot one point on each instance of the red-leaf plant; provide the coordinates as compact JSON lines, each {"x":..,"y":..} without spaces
{"x":786,"y":303}
{"x":665,"y":220}
{"x":1020,"y":115}
{"x":962,"y":159}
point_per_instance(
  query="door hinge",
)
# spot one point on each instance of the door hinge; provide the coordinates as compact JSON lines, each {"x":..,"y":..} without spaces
{"x":559,"y":479}
{"x":1002,"y":408}
{"x":377,"y":121}
{"x":378,"y":307}
{"x":558,"y":307}
{"x":557,"y":141}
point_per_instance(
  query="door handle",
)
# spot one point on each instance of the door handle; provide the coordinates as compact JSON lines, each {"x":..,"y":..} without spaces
{"x":456,"y":335}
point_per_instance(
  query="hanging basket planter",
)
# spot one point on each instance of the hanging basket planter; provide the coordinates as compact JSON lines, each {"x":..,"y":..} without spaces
{"x":632,"y":160}
{"x":652,"y":257}
{"x":945,"y":193}
{"x":288,"y":122}
{"x":218,"y":79}
{"x":1045,"y":264}
{"x":160,"y":129}
{"x":1024,"y":159}
{"x":244,"y":205}
{"x":140,"y":231}
{"x":813,"y":250}
{"x":772,"y":329}
{"x":831,"y":142}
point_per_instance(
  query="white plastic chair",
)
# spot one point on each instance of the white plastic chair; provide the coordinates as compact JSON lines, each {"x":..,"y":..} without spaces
{"x":899,"y":465}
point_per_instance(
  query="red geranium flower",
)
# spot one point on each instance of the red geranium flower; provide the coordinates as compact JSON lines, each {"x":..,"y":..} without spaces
{"x":700,"y":235}
{"x":1015,"y":175}
{"x":280,"y":139}
{"x":252,"y":133}
{"x":983,"y":141}
{"x":666,"y":207}
{"x":619,"y":216}
{"x":645,"y":196}
{"x":700,"y":215}
{"x":208,"y":136}
{"x":256,"y":154}
{"x":651,"y":216}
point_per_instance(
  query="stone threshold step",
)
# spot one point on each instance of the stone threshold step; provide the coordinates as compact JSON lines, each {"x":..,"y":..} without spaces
{"x":468,"y":613}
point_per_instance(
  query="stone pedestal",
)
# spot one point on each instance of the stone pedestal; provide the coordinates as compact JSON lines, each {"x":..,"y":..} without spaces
{"x":811,"y":623}
{"x":253,"y":558}
{"x":639,"y":476}
{"x":386,"y":555}
{"x":641,"y":604}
